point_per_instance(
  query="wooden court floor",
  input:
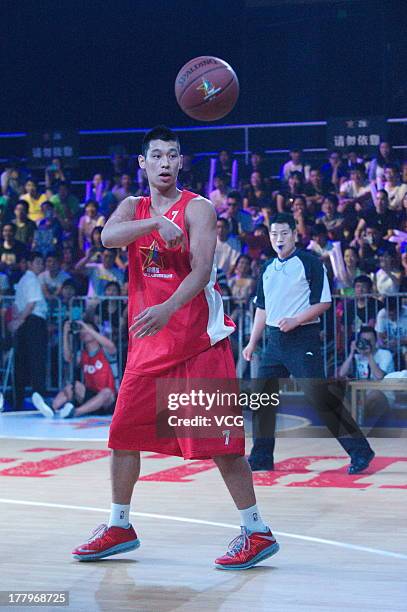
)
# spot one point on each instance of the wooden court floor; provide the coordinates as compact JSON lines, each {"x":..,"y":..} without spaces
{"x":343,"y":539}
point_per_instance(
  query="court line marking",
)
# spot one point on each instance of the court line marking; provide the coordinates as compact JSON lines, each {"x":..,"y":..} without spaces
{"x":181,"y":519}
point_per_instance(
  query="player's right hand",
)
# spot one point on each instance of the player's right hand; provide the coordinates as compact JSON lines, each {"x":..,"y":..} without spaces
{"x":171,"y":233}
{"x":248,"y":352}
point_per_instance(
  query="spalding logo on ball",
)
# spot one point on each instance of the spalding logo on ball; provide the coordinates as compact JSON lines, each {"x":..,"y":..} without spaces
{"x":206,"y":88}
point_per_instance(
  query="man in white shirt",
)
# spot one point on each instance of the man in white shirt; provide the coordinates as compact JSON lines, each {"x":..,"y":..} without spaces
{"x":228,"y":247}
{"x":30,"y":330}
{"x":295,"y":164}
{"x":391,"y":328}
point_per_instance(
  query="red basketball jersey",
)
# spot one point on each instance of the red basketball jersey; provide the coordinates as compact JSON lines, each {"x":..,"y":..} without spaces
{"x":97,"y":371}
{"x":155,"y":273}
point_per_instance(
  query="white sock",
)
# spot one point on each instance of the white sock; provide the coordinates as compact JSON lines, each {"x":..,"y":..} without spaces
{"x":119,"y":515}
{"x":251,"y":519}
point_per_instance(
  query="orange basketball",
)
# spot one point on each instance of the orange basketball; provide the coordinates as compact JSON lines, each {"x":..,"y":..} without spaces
{"x":206,"y":88}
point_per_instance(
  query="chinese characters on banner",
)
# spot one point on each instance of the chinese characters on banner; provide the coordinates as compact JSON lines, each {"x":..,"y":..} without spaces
{"x":361,"y":132}
{"x":44,"y":147}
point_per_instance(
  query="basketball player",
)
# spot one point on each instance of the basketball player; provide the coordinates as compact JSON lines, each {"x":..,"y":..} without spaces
{"x":177,"y":330}
{"x":292,"y":294}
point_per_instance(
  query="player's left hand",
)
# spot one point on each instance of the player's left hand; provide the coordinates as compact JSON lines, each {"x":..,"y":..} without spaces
{"x":150,"y":321}
{"x":287,"y":324}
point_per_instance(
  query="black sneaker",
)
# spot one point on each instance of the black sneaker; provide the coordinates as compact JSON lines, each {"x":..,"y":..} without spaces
{"x":360,"y":461}
{"x":261,"y":461}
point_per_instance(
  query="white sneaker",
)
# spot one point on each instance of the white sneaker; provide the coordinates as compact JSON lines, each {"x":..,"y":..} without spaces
{"x":67,"y":411}
{"x":1,"y":402}
{"x":42,"y":406}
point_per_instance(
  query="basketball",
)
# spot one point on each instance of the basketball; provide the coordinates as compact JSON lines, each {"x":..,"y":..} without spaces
{"x":206,"y":88}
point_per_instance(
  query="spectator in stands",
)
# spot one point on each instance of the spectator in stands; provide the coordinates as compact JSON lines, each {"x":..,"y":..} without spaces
{"x":315,"y":190}
{"x":258,"y":243}
{"x":189,"y":176}
{"x":387,"y":279}
{"x":241,"y":283}
{"x":333,"y":170}
{"x":100,"y":273}
{"x":125,"y":189}
{"x":303,"y":220}
{"x":11,"y":250}
{"x":353,"y":158}
{"x":320,"y":245}
{"x":239,"y":220}
{"x":344,"y":280}
{"x":391,"y":328}
{"x":355,"y":193}
{"x":257,"y":163}
{"x":112,"y":313}
{"x":380,"y":216}
{"x":100,"y":193}
{"x":98,"y":391}
{"x":87,"y":223}
{"x":365,"y":360}
{"x":54,"y":176}
{"x":25,"y":228}
{"x":395,"y":189}
{"x":218,"y":196}
{"x":285,"y":198}
{"x":66,"y":205}
{"x":404,"y":172}
{"x":225,"y":165}
{"x":48,"y":234}
{"x":53,"y":277}
{"x":362,"y":310}
{"x":385,"y":155}
{"x":227,"y":250}
{"x":34,"y":199}
{"x":295,"y":164}
{"x":330,"y":218}
{"x":30,"y":330}
{"x":371,"y":245}
{"x":12,"y":180}
{"x":257,"y":194}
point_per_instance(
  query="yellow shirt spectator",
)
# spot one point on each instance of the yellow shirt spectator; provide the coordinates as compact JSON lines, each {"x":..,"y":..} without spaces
{"x":34,"y":200}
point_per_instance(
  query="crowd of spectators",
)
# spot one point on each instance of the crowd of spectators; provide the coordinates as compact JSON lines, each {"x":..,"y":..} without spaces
{"x":350,"y":211}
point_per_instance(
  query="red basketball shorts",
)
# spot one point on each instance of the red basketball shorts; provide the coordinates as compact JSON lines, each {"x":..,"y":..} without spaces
{"x":134,"y":423}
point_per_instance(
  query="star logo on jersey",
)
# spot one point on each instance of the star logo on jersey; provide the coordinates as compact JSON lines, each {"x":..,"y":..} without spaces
{"x":209,"y":90}
{"x":151,"y":256}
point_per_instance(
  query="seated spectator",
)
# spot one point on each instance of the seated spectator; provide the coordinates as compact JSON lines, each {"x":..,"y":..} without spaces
{"x":239,"y":220}
{"x":391,"y":328}
{"x":98,"y":391}
{"x":225,"y":166}
{"x":66,"y":206}
{"x":295,"y":164}
{"x":87,"y":223}
{"x":371,"y":245}
{"x":12,"y":180}
{"x":100,"y":273}
{"x":304,"y":222}
{"x":333,"y":172}
{"x":190,"y":176}
{"x":11,"y":250}
{"x":96,"y":245}
{"x":227,"y":250}
{"x":257,"y":163}
{"x":380,"y":216}
{"x":363,"y":309}
{"x":53,"y":277}
{"x":355,"y":193}
{"x":49,"y":231}
{"x":404,"y":172}
{"x":387,"y":279}
{"x":320,"y":245}
{"x":365,"y":360}
{"x":257,"y":194}
{"x":112,"y":313}
{"x":395,"y":189}
{"x":344,"y":280}
{"x":315,"y":190}
{"x":34,"y":200}
{"x":285,"y":198}
{"x":241,"y":283}
{"x":98,"y":191}
{"x":54,"y":176}
{"x":125,"y":189}
{"x":329,"y":217}
{"x":219,"y":195}
{"x":385,"y":155}
{"x":353,"y":158}
{"x":258,"y":243}
{"x":25,"y":228}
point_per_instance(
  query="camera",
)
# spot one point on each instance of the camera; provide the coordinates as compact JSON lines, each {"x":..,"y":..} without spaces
{"x":75,"y":327}
{"x":363,"y":345}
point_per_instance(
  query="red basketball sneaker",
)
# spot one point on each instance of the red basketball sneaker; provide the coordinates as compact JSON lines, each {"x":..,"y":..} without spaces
{"x":106,"y":541}
{"x":248,"y":549}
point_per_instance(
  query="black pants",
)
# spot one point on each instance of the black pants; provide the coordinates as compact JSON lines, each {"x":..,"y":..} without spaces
{"x":299,"y":353}
{"x":30,"y":357}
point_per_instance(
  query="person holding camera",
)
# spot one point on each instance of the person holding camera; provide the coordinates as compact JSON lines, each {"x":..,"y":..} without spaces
{"x":98,"y":389}
{"x":365,"y":360}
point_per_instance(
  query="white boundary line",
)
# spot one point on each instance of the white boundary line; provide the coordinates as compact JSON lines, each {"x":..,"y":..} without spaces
{"x":181,"y":519}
